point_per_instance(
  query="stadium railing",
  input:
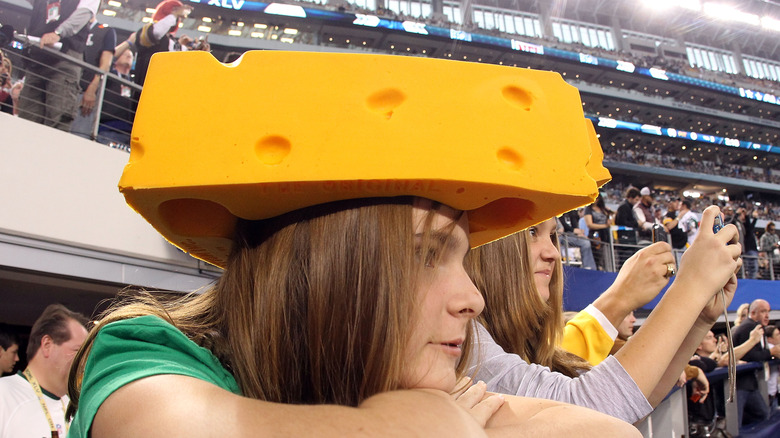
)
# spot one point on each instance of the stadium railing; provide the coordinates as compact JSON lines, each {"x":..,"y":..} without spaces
{"x":22,"y":62}
{"x":622,"y":244}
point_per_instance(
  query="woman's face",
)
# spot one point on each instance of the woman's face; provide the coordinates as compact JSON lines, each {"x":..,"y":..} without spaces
{"x":448,"y":301}
{"x":543,"y":255}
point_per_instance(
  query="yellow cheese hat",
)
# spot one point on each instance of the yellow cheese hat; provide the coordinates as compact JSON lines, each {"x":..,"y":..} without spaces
{"x":278,"y":131}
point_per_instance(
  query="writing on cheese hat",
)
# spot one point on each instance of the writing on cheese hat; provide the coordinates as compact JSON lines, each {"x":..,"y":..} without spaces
{"x":287,"y":130}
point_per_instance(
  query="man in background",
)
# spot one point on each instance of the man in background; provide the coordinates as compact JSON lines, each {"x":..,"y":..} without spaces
{"x":116,"y":121}
{"x":750,"y":403}
{"x":746,"y":223}
{"x":9,"y":350}
{"x":33,"y":401}
{"x":99,"y":52}
{"x":625,"y":212}
{"x":569,"y":224}
{"x":671,"y":222}
{"x":50,"y":94}
{"x":688,"y":221}
{"x":643,"y":211}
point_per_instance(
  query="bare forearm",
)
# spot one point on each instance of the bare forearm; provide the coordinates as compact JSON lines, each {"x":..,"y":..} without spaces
{"x":664,"y":337}
{"x":614,"y":306}
{"x":678,"y":362}
{"x":742,"y":349}
{"x":565,"y":420}
{"x":171,"y":405}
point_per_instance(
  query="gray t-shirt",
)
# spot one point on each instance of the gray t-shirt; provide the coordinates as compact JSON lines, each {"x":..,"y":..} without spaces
{"x":607,"y":388}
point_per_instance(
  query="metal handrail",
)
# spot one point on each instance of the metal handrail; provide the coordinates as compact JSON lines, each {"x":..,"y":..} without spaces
{"x":20,"y":70}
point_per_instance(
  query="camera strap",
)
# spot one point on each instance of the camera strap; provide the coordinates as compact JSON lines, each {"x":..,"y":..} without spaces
{"x":732,"y":358}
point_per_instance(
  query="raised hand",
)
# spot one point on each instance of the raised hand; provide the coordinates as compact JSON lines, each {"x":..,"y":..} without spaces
{"x":643,"y":275}
{"x":710,"y":264}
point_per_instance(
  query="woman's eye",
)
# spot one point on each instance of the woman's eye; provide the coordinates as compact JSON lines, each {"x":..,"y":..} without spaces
{"x":431,"y":256}
{"x":533,"y":232}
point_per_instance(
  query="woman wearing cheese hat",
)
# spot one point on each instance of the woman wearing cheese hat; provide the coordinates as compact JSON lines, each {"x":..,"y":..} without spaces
{"x":342,"y":216}
{"x":523,"y":272}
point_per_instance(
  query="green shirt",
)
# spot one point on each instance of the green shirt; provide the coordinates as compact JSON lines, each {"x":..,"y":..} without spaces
{"x":131,"y":349}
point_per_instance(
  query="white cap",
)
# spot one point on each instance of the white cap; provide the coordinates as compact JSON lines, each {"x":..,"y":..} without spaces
{"x":645,"y":191}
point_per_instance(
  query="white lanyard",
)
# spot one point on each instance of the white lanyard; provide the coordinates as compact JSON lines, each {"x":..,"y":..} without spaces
{"x":37,"y":389}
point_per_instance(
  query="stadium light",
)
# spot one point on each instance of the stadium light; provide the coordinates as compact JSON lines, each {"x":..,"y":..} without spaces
{"x":729,"y":13}
{"x":109,"y":13}
{"x":694,"y":5}
{"x":659,"y":4}
{"x":114,"y":3}
{"x":770,"y":23}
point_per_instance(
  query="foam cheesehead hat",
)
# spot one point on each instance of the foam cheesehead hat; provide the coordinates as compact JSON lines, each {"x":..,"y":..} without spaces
{"x":286,"y":130}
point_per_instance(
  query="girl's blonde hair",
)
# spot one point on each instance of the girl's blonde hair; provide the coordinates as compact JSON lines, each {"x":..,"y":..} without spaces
{"x":515,"y":315}
{"x":315,"y":306}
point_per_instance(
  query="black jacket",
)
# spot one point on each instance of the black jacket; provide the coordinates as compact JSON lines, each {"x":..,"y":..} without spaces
{"x":747,"y":381}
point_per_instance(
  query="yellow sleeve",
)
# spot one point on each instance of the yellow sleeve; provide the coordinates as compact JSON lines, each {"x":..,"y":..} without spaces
{"x":584,"y":336}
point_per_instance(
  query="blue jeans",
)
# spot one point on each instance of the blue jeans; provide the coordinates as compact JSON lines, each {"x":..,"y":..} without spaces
{"x":83,"y":125}
{"x":751,"y":264}
{"x":585,"y":250}
{"x":751,"y":406}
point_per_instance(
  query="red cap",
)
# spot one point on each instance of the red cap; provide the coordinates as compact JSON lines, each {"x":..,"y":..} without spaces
{"x":165,"y":8}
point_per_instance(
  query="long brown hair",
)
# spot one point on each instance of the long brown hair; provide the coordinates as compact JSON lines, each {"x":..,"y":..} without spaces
{"x":315,"y":306}
{"x":515,"y":315}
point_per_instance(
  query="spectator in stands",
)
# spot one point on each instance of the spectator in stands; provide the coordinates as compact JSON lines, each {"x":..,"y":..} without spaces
{"x":160,"y":36}
{"x":721,"y":356}
{"x":624,"y":217}
{"x":99,"y":52}
{"x":742,"y":313}
{"x":770,"y":244}
{"x":625,"y":330}
{"x":747,"y":226}
{"x":50,"y":94}
{"x":55,"y":338}
{"x":572,"y":236}
{"x":701,"y":408}
{"x":688,"y":221}
{"x":518,"y":321}
{"x":728,"y":214}
{"x":750,"y":404}
{"x":671,"y":221}
{"x":9,"y":350}
{"x":625,"y":212}
{"x":658,"y":215}
{"x":598,"y":218}
{"x":643,"y":211}
{"x":591,"y":334}
{"x":583,"y":224}
{"x":116,"y":122}
{"x":6,"y":74}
